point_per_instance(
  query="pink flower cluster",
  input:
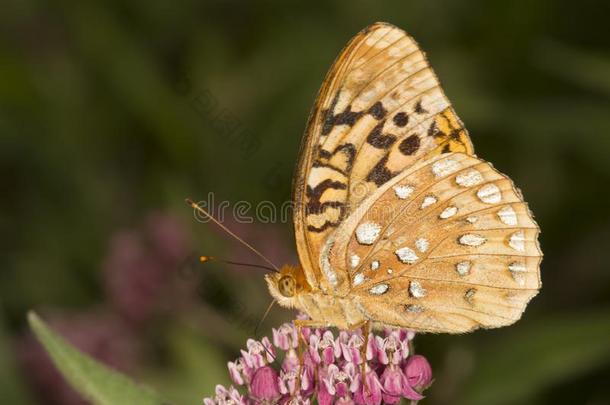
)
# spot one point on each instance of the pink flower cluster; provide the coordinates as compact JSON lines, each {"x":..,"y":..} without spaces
{"x":331,"y":370}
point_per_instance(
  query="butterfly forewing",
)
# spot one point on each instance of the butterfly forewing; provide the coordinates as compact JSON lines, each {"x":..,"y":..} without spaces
{"x":446,"y":246}
{"x":380,"y":110}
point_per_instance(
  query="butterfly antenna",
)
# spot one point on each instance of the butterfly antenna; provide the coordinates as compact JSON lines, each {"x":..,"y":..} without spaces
{"x":273,"y":356}
{"x":204,"y":259}
{"x":259,"y":325}
{"x":264,"y":317}
{"x":199,"y":209}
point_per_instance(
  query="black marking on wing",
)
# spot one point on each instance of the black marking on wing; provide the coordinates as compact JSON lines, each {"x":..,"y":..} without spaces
{"x":328,"y":116}
{"x":419,"y":109}
{"x":314,"y":205}
{"x":324,"y":227}
{"x":434,"y":131}
{"x":331,"y":120}
{"x":350,"y":151}
{"x":377,"y":111}
{"x":380,"y":173}
{"x":380,"y":140}
{"x":401,"y":119}
{"x":347,"y":117}
{"x":409,"y":145}
{"x":455,"y":133}
{"x":318,"y":163}
{"x":325,"y":156}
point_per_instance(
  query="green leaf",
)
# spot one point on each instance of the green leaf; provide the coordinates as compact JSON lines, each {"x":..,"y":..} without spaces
{"x":91,"y":379}
{"x":537,"y":358}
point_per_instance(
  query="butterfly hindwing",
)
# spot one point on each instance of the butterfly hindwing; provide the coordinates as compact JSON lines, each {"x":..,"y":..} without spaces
{"x":380,"y":110}
{"x":446,"y":246}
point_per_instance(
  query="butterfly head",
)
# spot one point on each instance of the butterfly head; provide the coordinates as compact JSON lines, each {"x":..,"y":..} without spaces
{"x":287,"y":284}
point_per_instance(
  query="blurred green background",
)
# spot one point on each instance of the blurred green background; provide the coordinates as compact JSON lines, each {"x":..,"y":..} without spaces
{"x":111,"y":113}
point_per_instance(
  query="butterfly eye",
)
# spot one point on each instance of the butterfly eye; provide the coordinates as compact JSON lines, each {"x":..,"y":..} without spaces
{"x":287,"y":286}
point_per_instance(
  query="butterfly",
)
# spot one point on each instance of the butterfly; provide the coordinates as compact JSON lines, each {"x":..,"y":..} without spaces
{"x":397,"y":222}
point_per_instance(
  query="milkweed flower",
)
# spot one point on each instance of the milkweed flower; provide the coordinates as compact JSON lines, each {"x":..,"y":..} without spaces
{"x":269,"y":371}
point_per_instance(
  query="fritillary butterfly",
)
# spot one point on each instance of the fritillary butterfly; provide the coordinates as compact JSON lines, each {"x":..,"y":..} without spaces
{"x":397,"y":222}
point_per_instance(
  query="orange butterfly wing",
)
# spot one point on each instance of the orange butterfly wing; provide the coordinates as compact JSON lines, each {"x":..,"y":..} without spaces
{"x":446,"y":246}
{"x":380,"y":110}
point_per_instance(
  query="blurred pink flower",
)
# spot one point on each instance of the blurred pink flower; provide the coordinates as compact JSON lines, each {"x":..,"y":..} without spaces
{"x":142,"y":268}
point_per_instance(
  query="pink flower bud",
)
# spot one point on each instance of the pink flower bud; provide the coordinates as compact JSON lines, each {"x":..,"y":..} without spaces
{"x":265,"y":386}
{"x":418,"y":372}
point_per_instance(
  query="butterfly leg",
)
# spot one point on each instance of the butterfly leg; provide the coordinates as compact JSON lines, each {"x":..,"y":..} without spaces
{"x":366,"y":331}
